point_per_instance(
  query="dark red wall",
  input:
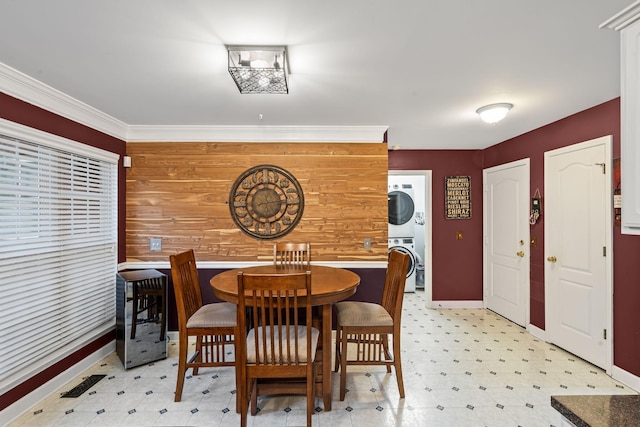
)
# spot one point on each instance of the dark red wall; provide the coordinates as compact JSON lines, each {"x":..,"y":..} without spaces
{"x":457,"y":264}
{"x":27,"y":114}
{"x":595,"y":122}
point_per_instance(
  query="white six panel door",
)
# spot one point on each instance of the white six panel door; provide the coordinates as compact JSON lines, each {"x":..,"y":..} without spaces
{"x":577,"y":288}
{"x":506,"y":240}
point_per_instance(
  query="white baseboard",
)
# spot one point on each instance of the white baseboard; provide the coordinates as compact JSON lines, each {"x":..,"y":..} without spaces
{"x":18,"y":408}
{"x":173,"y":336}
{"x":626,"y":378}
{"x":457,"y":304}
{"x":537,"y":332}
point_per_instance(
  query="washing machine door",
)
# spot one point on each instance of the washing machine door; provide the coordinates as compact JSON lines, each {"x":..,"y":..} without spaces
{"x":401,"y":207}
{"x":412,"y":258}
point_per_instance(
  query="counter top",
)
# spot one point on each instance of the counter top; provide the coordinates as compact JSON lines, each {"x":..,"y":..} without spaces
{"x":599,"y":410}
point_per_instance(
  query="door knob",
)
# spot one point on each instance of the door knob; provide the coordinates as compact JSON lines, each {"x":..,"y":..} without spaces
{"x":552,"y":259}
{"x":520,"y":254}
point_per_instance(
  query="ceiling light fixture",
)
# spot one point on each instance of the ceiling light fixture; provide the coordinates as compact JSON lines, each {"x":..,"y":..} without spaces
{"x":493,"y":113}
{"x":259,"y":69}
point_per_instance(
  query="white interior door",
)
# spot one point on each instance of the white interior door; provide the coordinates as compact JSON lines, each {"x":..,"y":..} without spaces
{"x":578,"y":249}
{"x":506,"y":240}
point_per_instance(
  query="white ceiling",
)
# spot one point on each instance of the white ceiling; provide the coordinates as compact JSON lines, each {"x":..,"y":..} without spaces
{"x":420,"y":67}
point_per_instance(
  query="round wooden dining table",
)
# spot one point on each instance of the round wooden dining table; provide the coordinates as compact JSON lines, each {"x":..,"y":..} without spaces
{"x":328,"y":285}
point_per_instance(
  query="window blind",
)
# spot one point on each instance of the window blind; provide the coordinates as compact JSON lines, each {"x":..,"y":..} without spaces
{"x":58,"y":258}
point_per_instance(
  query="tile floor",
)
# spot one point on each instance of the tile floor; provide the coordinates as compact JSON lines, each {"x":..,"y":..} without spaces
{"x":462,"y":367}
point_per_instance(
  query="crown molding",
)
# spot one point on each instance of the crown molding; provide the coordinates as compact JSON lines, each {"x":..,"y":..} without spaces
{"x":624,"y":18}
{"x":204,"y":133}
{"x":28,"y":89}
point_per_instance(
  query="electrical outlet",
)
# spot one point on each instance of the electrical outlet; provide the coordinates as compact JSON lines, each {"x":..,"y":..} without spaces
{"x":155,"y":244}
{"x":367,"y":243}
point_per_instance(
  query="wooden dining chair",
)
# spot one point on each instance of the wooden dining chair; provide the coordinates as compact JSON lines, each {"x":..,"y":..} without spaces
{"x":292,"y":254}
{"x":281,"y":342}
{"x":367,"y":326}
{"x":213,"y":325}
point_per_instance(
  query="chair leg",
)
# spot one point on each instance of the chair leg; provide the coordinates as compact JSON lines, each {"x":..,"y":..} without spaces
{"x":134,"y":318}
{"x":150,"y":306}
{"x":397,"y":363}
{"x":182,"y":366}
{"x":343,"y":364}
{"x":163,"y":319}
{"x":337,"y":355}
{"x":198,"y":358}
{"x":254,"y":396}
{"x":385,"y":345}
{"x":310,"y":397}
{"x":238,"y":389}
{"x":244,"y":403}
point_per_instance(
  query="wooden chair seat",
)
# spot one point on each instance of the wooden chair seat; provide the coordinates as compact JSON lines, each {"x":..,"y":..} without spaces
{"x":218,"y":315}
{"x":296,"y":336}
{"x":355,"y":313}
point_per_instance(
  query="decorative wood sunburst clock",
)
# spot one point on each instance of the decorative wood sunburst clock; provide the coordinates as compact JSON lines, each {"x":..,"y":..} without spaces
{"x":266,"y":202}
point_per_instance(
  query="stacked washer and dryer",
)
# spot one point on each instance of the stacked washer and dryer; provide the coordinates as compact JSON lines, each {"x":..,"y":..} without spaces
{"x":402,"y":227}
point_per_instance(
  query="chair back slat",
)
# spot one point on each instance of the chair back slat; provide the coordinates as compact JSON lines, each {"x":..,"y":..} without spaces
{"x":393,"y":293}
{"x":291,"y":254}
{"x":186,"y":285}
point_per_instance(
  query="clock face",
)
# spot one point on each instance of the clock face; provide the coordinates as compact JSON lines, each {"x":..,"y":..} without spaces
{"x":266,"y":202}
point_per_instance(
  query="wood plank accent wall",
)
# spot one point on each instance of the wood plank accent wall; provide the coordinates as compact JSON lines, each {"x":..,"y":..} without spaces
{"x":179,"y":191}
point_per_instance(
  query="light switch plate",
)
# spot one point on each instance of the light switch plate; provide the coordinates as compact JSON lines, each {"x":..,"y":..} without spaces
{"x":155,"y":244}
{"x":367,"y":243}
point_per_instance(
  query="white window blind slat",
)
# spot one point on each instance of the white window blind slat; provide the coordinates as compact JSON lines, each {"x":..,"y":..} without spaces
{"x":43,"y":310}
{"x":58,"y":239}
{"x":28,"y":334}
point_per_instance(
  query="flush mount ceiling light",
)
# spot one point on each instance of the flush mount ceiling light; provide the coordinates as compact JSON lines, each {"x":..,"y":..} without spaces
{"x":493,"y":113}
{"x":259,"y":69}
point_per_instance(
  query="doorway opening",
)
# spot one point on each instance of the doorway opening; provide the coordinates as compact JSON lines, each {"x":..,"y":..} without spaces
{"x":421,"y":184}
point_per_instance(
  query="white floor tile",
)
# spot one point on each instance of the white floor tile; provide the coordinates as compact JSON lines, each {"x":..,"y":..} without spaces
{"x":462,"y":367}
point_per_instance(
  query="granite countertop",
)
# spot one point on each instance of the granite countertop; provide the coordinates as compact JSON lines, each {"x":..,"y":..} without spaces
{"x":599,"y":410}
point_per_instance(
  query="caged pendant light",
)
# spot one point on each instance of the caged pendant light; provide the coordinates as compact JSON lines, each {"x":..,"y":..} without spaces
{"x":259,"y":69}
